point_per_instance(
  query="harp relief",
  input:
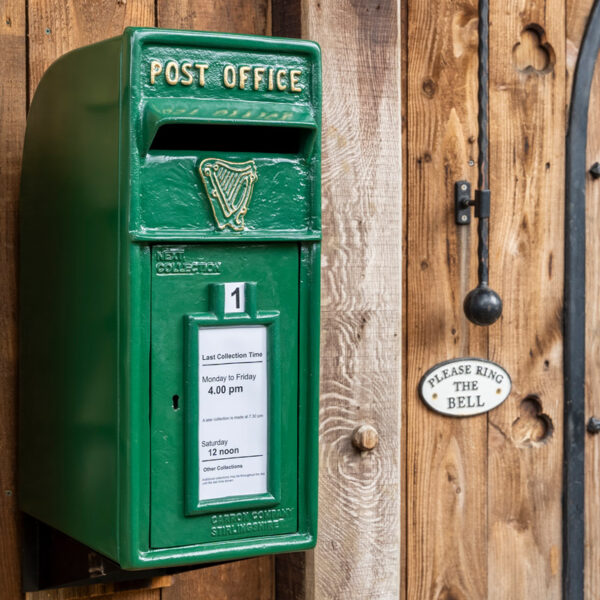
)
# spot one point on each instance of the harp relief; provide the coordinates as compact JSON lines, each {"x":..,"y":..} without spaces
{"x":229,"y":188}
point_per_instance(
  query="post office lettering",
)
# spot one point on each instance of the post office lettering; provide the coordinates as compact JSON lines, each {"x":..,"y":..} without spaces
{"x":243,"y":77}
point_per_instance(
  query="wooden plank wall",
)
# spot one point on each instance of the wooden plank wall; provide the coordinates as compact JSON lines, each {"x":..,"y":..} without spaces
{"x":524,"y":463}
{"x":482,"y":496}
{"x":483,"y":512}
{"x":13,"y":104}
{"x":359,"y":554}
{"x":576,"y":20}
{"x":445,"y":458}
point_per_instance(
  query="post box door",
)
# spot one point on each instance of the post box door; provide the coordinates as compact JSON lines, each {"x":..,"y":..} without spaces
{"x":224,"y":392}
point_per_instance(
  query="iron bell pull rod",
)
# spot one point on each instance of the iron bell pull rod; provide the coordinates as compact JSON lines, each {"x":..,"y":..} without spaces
{"x":482,"y":305}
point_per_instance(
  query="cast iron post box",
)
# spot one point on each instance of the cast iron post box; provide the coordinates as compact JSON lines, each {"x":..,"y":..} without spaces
{"x":169,"y":297}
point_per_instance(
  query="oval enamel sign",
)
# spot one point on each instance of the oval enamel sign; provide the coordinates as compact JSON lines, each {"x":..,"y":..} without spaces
{"x":464,"y":387}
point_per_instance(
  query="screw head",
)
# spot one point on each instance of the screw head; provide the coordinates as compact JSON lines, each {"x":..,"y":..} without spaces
{"x":463,"y":187}
{"x":595,"y":170}
{"x":463,"y":218}
{"x":593,"y":426}
{"x":365,"y":437}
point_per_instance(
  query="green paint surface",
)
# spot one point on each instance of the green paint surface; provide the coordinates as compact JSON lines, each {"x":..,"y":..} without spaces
{"x":111,"y":177}
{"x":274,"y":268}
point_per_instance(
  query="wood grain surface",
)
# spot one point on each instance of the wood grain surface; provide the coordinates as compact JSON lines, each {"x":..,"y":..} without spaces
{"x":577,"y":15}
{"x":446,"y":513}
{"x":251,"y":579}
{"x":13,"y":97}
{"x":54,"y":28}
{"x":95,"y":592}
{"x":500,"y":536}
{"x":233,"y":16}
{"x":592,"y":310}
{"x":527,"y":82}
{"x":133,"y":590}
{"x":358,"y":552}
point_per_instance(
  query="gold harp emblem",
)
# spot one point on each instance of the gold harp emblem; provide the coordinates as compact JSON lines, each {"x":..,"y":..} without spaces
{"x":229,"y":187}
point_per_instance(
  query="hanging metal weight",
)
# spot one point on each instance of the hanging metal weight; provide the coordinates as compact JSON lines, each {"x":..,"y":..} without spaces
{"x":482,"y":305}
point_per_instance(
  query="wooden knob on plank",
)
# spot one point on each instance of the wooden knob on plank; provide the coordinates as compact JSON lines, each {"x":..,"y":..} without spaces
{"x":365,"y":437}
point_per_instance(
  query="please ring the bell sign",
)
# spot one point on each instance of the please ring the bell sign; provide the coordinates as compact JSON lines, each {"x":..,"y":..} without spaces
{"x":465,"y":387}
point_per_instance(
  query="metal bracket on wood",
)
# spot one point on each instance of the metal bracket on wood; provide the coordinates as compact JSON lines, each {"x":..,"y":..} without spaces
{"x":482,"y":305}
{"x":462,"y":202}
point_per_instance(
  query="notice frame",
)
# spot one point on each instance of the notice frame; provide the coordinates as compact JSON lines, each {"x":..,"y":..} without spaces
{"x":216,"y":317}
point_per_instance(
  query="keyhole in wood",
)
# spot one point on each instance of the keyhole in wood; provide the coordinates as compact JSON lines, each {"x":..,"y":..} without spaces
{"x":532,"y":53}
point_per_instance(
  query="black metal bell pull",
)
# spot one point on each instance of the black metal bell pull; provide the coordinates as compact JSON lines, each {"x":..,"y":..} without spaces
{"x":482,"y":305}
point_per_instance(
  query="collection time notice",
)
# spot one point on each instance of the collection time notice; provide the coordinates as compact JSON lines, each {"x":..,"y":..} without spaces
{"x":233,"y":396}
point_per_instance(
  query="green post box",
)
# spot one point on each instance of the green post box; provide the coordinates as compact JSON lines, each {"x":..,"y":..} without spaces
{"x":169,"y":297}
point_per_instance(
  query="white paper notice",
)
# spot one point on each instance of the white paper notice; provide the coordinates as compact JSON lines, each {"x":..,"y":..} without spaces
{"x":232,"y":376}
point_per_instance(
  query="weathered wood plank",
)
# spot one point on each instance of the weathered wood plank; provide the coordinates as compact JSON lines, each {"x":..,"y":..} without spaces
{"x":404,"y":373}
{"x":133,"y":590}
{"x":294,"y":574}
{"x":57,"y":27}
{"x":244,"y":580}
{"x":592,"y":450}
{"x":358,"y":553}
{"x":233,"y":16}
{"x":446,"y":529}
{"x":527,"y":141}
{"x":286,"y":17}
{"x":12,"y":109}
{"x":577,"y":15}
{"x":95,"y":593}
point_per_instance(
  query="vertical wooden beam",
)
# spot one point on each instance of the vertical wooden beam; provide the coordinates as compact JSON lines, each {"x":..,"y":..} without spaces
{"x":57,"y":27}
{"x":404,"y":470}
{"x":12,"y":109}
{"x":527,"y":136}
{"x":233,"y":16}
{"x":149,"y":590}
{"x":592,"y":384}
{"x":358,"y":552}
{"x":578,"y":12}
{"x":251,"y":579}
{"x":446,"y":483}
